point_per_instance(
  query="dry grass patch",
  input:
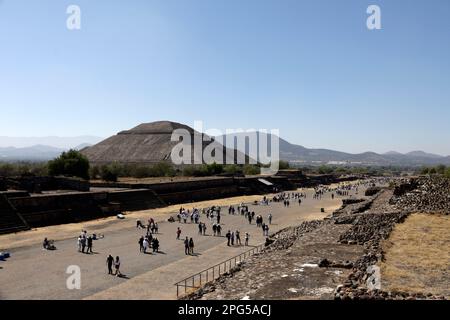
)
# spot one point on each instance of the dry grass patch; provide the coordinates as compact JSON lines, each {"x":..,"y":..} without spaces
{"x":417,"y":256}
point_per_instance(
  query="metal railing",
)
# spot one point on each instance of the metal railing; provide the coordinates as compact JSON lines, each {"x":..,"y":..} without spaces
{"x":201,"y":278}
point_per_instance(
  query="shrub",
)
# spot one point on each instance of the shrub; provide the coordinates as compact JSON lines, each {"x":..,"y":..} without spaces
{"x":71,"y":163}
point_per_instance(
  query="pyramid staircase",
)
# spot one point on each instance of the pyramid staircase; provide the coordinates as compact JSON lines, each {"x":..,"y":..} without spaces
{"x":10,"y":219}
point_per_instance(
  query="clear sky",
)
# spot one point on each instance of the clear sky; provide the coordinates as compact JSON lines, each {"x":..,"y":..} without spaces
{"x":309,"y":68}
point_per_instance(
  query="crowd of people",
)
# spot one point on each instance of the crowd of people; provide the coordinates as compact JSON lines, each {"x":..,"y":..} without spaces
{"x":208,"y":219}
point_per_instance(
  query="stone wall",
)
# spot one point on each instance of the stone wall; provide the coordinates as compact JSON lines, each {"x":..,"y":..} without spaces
{"x":38,"y":184}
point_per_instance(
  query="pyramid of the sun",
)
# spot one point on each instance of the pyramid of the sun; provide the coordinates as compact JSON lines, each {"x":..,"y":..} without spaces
{"x":148,"y":143}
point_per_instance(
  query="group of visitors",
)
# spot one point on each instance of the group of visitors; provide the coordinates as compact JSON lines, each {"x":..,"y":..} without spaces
{"x":84,"y":242}
{"x":110,"y":262}
{"x":148,"y":242}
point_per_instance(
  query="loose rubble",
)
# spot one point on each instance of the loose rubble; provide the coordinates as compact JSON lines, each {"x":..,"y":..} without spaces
{"x":423,"y":194}
{"x":360,"y":223}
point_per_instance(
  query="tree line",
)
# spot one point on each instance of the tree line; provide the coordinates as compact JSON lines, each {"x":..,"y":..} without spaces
{"x":74,"y":164}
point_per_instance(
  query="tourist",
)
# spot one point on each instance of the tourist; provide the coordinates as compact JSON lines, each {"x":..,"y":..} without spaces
{"x":83,"y":244}
{"x":204,"y":229}
{"x":109,"y":263}
{"x":139,"y":224}
{"x":228,"y":235}
{"x":145,"y":245}
{"x":155,"y":245}
{"x":46,"y":244}
{"x":141,"y":244}
{"x":117,"y":266}
{"x":219,"y":230}
{"x":191,"y":246}
{"x":89,"y":245}
{"x":79,"y":243}
{"x":269,"y":217}
{"x":200,"y":228}
{"x":186,"y":246}
{"x":214,"y":227}
{"x":232,"y":238}
{"x":247,"y":237}
{"x":266,"y":230}
{"x":178,"y":233}
{"x":238,"y":237}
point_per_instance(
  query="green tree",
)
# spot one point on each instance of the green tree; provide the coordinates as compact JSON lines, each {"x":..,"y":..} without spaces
{"x":283,"y":165}
{"x":71,"y":163}
{"x":447,"y":172}
{"x":251,"y":170}
{"x":215,"y":168}
{"x":432,"y":171}
{"x":440,"y":169}
{"x":109,"y":172}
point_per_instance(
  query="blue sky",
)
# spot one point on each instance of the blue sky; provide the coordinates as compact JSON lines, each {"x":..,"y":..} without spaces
{"x":309,"y":68}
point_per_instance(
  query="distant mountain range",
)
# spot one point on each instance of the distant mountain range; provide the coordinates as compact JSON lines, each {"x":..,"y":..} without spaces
{"x":51,"y":141}
{"x":34,"y":153}
{"x":297,"y":154}
{"x":47,"y":148}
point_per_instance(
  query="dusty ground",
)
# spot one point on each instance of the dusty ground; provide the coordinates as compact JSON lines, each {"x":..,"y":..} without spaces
{"x":32,"y":273}
{"x":293,"y":274}
{"x":418,"y":256}
{"x":65,"y":231}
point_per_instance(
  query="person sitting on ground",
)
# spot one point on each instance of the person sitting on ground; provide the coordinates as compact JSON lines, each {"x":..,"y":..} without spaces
{"x":139,"y":224}
{"x":46,"y":243}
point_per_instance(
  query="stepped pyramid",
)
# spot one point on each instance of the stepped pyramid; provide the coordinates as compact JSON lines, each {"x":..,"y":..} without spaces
{"x":148,"y":143}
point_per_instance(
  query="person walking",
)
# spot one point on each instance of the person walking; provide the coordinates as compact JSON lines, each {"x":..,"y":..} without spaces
{"x":141,"y":244}
{"x":228,"y":235}
{"x":155,"y":245}
{"x":219,"y":230}
{"x":89,"y":245}
{"x":191,"y":246}
{"x":117,"y":266}
{"x":79,"y":243}
{"x":109,"y":263}
{"x":186,"y":246}
{"x":266,"y":229}
{"x":178,"y":233}
{"x":269,"y":217}
{"x":247,"y":237}
{"x":145,"y":245}
{"x":238,"y":237}
{"x":83,"y":244}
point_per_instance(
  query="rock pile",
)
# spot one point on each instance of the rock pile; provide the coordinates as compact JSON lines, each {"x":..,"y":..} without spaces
{"x":281,"y":241}
{"x":372,"y":191}
{"x":372,"y":227}
{"x":360,"y":293}
{"x":424,"y":194}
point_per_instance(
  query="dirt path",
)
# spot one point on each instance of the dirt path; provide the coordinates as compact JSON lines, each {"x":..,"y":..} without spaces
{"x":32,"y":273}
